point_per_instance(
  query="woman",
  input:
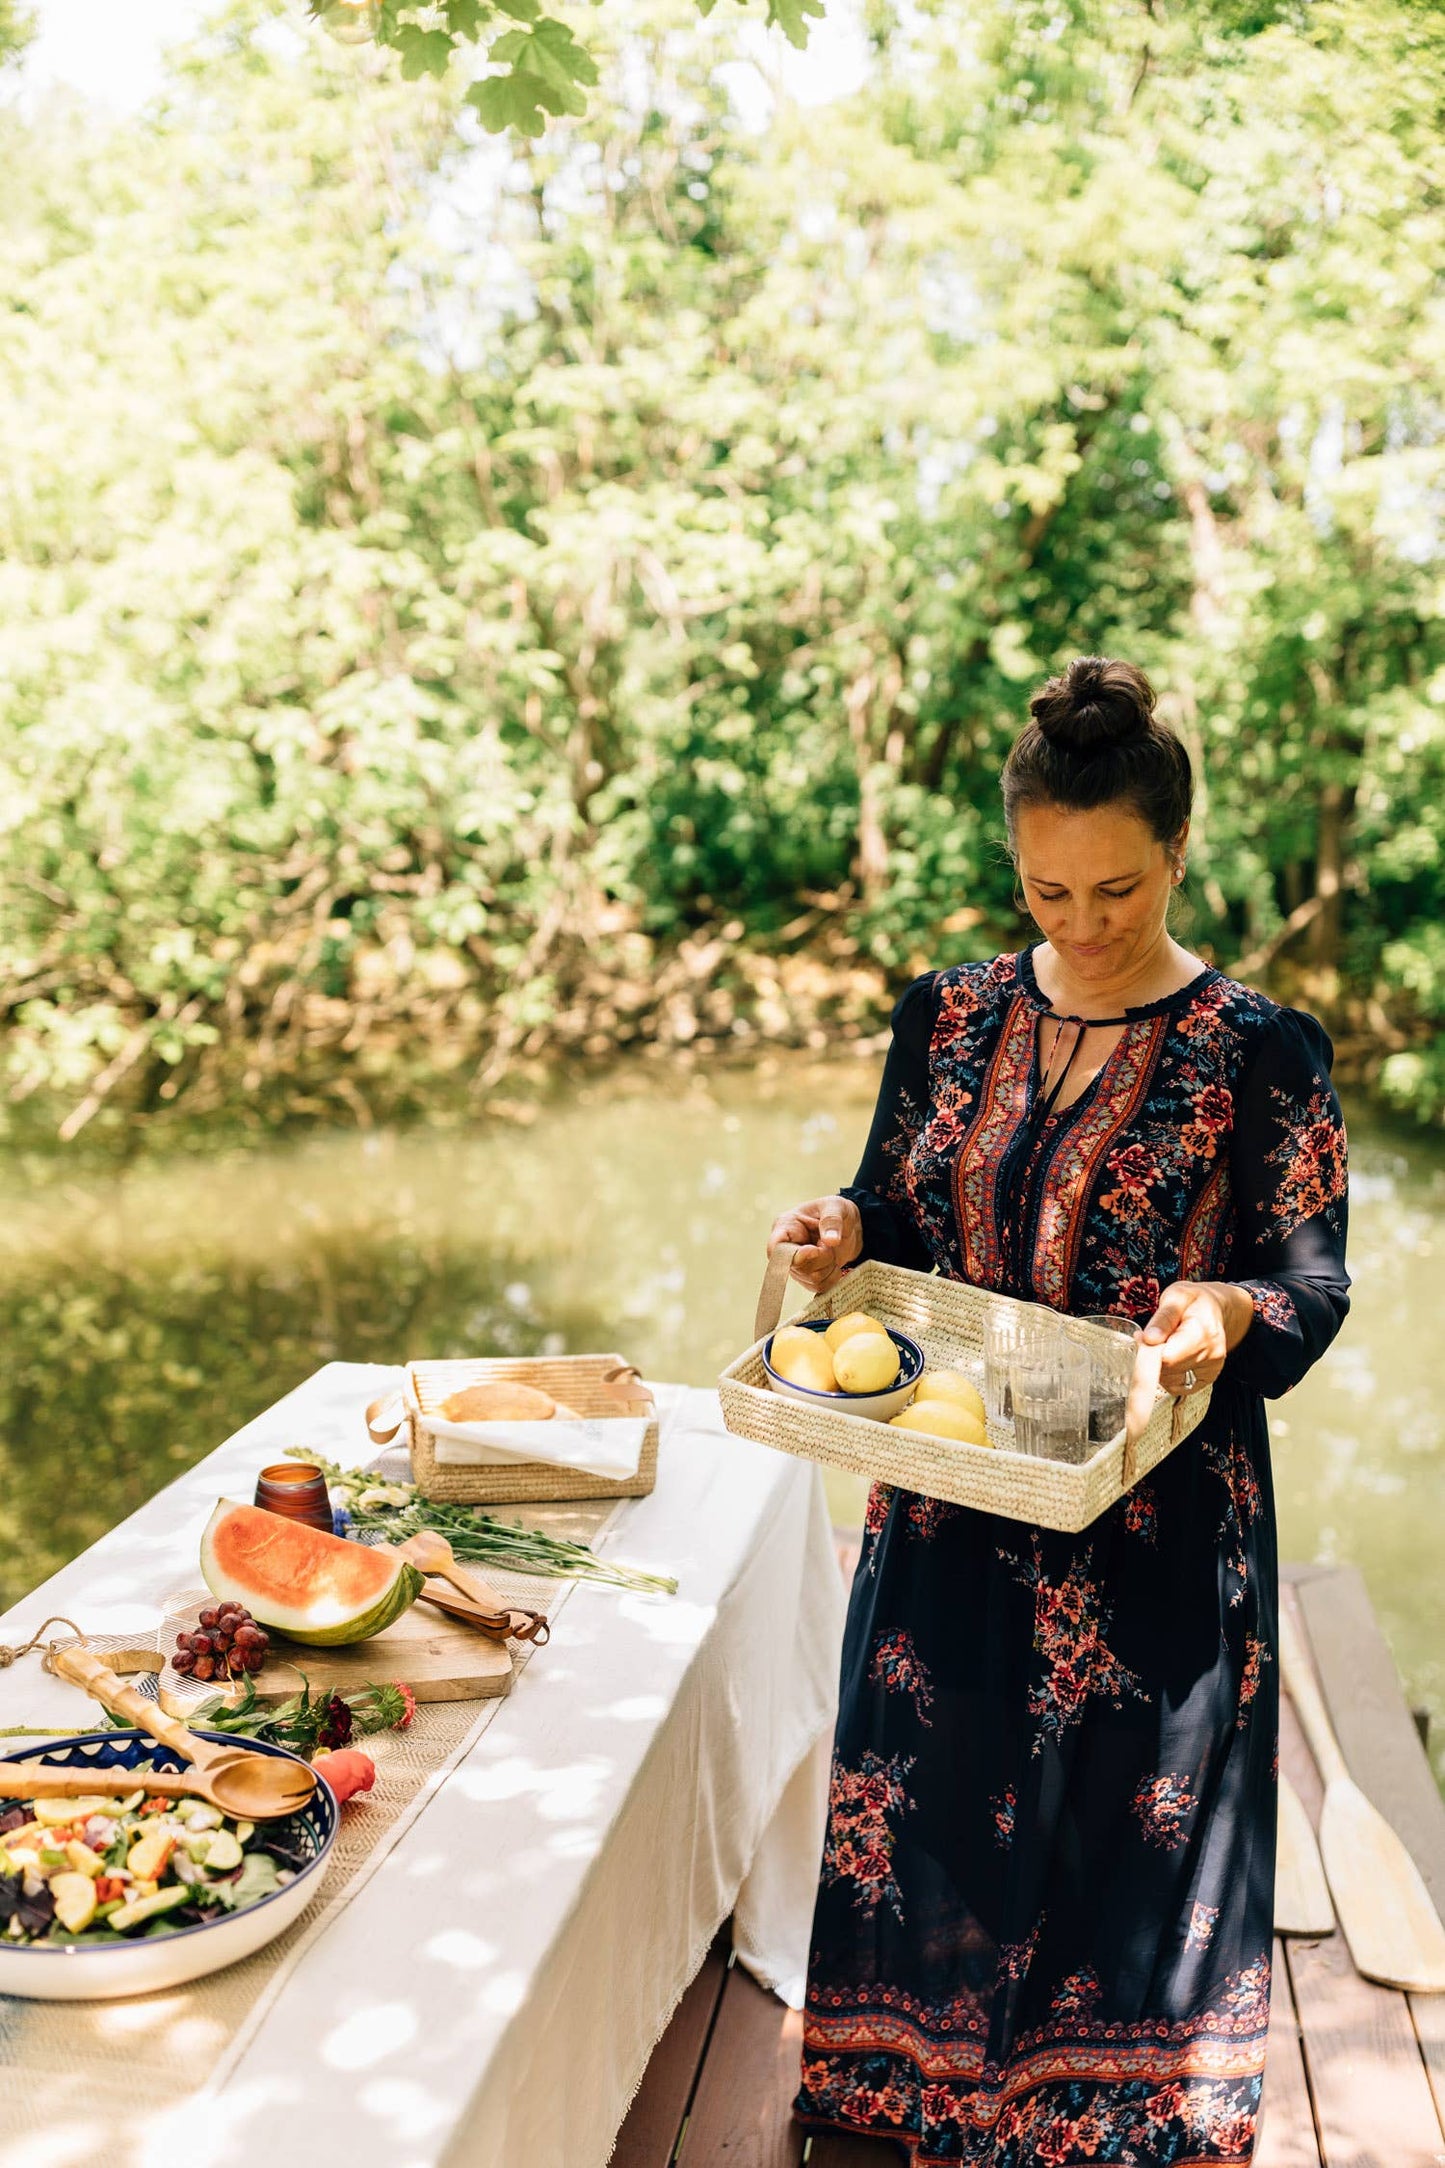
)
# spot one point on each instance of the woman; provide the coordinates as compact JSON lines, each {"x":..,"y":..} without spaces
{"x":1043,"y":1926}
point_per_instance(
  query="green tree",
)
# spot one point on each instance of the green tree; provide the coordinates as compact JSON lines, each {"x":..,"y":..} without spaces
{"x":486,"y":598}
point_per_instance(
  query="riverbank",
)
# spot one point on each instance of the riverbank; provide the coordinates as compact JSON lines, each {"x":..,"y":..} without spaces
{"x":431,"y":1045}
{"x":155,"y":1301}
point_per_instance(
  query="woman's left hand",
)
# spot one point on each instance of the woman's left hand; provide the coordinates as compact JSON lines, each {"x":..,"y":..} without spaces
{"x":1198,"y":1322}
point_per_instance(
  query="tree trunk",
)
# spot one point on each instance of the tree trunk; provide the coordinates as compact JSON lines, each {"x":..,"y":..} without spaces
{"x":1336,"y":808}
{"x":878,"y":684}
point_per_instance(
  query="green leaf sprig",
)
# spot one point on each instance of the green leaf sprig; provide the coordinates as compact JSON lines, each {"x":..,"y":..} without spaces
{"x":394,"y":1511}
{"x":310,"y":1721}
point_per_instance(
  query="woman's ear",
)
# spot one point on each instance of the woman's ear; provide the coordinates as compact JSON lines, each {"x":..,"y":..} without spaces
{"x":1178,"y":852}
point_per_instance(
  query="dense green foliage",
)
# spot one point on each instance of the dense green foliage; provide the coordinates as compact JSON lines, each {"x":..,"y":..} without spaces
{"x":498,"y":601}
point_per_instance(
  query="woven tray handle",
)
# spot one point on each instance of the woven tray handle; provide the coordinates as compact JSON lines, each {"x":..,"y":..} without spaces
{"x":774,"y":1288}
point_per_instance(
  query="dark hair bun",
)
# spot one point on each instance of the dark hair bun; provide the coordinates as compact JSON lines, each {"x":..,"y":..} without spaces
{"x":1094,"y":740}
{"x":1093,"y":704}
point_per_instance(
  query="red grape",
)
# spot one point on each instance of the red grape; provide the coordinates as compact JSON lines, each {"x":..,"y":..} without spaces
{"x":210,"y":1619}
{"x":183,"y":1662}
{"x":204,"y":1668}
{"x":255,"y":1659}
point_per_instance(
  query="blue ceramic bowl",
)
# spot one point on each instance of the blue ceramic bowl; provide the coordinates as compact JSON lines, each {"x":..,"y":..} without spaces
{"x":98,"y":1971}
{"x":879,"y":1406}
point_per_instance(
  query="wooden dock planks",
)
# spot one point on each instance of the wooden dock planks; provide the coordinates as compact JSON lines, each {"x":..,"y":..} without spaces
{"x":1371,"y":2093}
{"x":1368,"y":2079}
{"x":1287,"y":2132}
{"x":1356,"y":2072}
{"x":741,"y":2112}
{"x":648,"y":2137}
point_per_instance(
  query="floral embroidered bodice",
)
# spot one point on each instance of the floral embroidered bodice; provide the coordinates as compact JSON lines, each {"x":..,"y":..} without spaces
{"x":1209,"y":1146}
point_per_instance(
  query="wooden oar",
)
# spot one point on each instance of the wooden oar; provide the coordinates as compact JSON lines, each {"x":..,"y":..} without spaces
{"x":1301,"y":1894}
{"x":1393,"y":1930}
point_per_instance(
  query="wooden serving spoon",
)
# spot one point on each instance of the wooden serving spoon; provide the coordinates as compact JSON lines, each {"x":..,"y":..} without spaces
{"x":433,"y":1554}
{"x":41,"y":1780}
{"x":252,"y":1787}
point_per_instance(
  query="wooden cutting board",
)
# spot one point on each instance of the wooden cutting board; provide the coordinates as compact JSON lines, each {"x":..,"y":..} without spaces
{"x":439,"y":1658}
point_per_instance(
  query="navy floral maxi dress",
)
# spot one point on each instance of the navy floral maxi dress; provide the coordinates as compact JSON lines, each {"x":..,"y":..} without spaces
{"x":1043,"y":1925}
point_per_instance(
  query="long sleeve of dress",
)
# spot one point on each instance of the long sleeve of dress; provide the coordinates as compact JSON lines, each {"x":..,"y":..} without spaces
{"x":1289,"y":1171}
{"x":890,"y":1228}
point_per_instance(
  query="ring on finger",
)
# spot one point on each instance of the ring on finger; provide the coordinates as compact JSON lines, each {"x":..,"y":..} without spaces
{"x":1190,"y":1381}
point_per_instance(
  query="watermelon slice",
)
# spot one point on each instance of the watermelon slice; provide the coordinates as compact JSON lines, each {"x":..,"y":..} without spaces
{"x":312,"y":1587}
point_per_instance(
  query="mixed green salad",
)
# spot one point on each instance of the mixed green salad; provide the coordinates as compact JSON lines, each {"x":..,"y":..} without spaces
{"x":132,"y":1864}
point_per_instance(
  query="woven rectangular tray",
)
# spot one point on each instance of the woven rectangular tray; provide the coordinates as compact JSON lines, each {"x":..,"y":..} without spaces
{"x":946,"y":1318}
{"x":604,"y":1385}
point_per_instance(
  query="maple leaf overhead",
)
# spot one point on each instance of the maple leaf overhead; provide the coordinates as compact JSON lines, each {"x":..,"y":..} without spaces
{"x":540,"y":73}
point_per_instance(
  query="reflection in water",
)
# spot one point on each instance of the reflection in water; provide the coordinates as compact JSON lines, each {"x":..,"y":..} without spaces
{"x":150,"y":1312}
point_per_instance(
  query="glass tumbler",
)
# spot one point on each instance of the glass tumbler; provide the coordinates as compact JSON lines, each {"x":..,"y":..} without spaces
{"x":297,"y":1491}
{"x":1049,"y":1386}
{"x":1111,"y":1371}
{"x":1001,"y":1325}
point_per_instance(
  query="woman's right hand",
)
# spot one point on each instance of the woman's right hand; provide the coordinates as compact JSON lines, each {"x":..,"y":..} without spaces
{"x":829,"y":1235}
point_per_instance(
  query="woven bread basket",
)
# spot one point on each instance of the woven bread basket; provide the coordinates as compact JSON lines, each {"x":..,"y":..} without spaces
{"x":946,"y":1318}
{"x":602,"y":1385}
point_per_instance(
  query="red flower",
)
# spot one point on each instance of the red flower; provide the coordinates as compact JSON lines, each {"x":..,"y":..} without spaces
{"x":409,"y":1698}
{"x":336,"y":1722}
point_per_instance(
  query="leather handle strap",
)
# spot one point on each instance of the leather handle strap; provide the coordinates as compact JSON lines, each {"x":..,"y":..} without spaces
{"x":625,"y":1383}
{"x":376,"y":1414}
{"x":1143,"y":1391}
{"x":774,"y":1288}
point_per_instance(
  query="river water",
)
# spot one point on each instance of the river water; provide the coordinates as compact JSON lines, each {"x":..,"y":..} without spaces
{"x":152,"y":1309}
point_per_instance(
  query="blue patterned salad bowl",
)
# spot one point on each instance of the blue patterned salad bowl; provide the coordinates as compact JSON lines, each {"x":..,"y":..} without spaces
{"x":141,"y":1964}
{"x":878,"y":1406}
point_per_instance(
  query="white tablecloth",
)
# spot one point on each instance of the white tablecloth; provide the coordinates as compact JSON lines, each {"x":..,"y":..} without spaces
{"x":491,"y":1994}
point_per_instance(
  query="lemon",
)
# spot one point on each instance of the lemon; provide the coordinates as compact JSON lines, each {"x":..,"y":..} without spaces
{"x":843,"y":1328}
{"x":952,"y":1386}
{"x":941,"y":1419}
{"x":866,"y":1362}
{"x":803,"y":1359}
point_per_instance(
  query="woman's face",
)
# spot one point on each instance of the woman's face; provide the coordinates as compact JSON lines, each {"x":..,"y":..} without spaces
{"x":1098,"y":884}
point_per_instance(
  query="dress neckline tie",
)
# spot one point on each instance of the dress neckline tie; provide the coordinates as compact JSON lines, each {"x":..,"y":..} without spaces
{"x":1046,"y":1096}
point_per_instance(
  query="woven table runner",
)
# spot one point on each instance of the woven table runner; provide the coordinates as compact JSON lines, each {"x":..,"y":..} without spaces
{"x":80,"y":2080}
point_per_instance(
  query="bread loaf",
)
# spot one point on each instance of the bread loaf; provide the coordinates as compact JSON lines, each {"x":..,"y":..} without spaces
{"x":500,"y":1402}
